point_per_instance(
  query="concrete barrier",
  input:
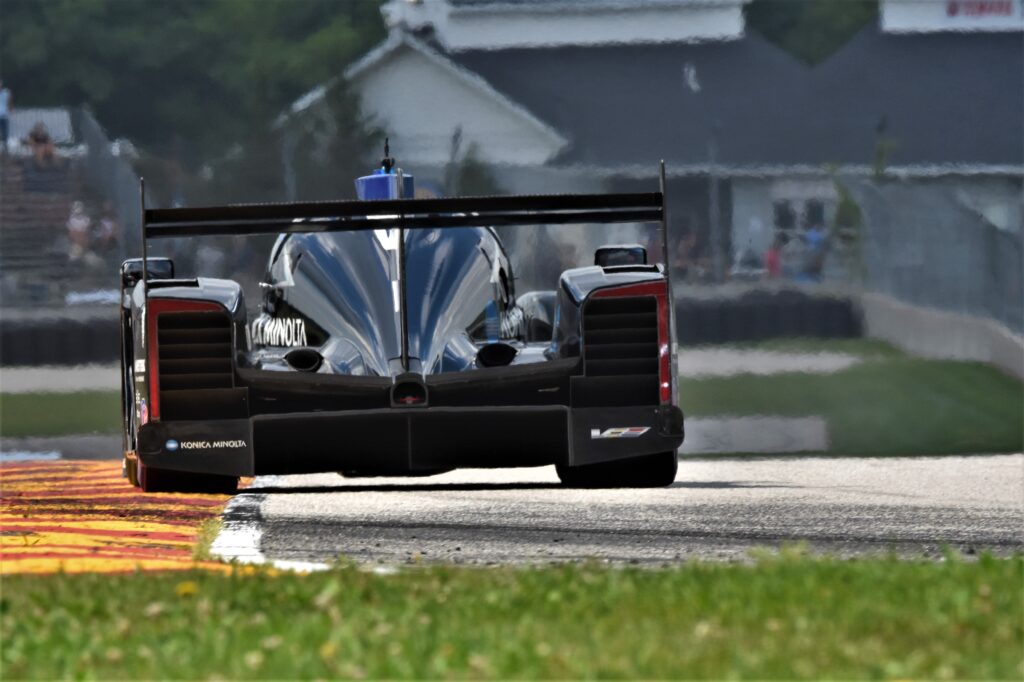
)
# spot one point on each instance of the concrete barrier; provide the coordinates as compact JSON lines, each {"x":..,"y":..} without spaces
{"x":940,"y":334}
{"x":75,"y":335}
{"x":762,"y":434}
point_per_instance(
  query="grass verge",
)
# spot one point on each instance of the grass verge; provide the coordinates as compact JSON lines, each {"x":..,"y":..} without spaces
{"x":208,"y":532}
{"x":59,"y":414}
{"x":789,"y":616}
{"x":889,"y":404}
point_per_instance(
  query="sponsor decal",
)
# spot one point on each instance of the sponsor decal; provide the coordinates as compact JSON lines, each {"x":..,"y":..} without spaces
{"x":620,"y":432}
{"x":513,"y":323}
{"x":171,"y":445}
{"x":211,"y":444}
{"x":279,"y":331}
{"x":979,"y":8}
{"x":140,"y":366}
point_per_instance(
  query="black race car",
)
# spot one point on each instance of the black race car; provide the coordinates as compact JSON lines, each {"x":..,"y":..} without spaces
{"x":390,"y":341}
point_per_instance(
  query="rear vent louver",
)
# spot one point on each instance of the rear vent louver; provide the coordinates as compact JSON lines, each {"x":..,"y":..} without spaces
{"x":620,"y":351}
{"x":620,"y":336}
{"x":195,"y":350}
{"x":196,"y":375}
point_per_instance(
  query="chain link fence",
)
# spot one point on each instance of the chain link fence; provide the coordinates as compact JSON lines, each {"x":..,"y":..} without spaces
{"x":941,"y":245}
{"x":111,"y":176}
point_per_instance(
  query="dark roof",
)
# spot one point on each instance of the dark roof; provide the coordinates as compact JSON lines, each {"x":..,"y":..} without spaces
{"x":939,"y":98}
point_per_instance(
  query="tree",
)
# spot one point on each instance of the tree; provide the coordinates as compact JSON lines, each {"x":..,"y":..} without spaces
{"x":810,"y":30}
{"x":333,"y":144}
{"x":194,"y":83}
{"x":466,"y":174}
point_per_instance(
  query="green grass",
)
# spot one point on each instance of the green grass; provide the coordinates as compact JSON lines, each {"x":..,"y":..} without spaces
{"x":890,"y":404}
{"x":59,"y":414}
{"x":208,"y":532}
{"x":788,"y":616}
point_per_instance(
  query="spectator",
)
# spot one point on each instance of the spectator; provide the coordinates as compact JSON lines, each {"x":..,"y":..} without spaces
{"x":794,"y":254}
{"x":5,"y":115}
{"x":78,"y":231}
{"x":43,"y":150}
{"x":108,"y":231}
{"x":773,"y":257}
{"x":816,"y":246}
{"x":682,"y":257}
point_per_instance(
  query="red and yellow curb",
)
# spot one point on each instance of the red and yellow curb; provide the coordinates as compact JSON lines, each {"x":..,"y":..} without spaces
{"x":82,"y":516}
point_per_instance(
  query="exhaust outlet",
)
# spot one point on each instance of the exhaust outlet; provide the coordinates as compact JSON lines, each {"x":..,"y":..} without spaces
{"x":304,"y":359}
{"x":496,"y":355}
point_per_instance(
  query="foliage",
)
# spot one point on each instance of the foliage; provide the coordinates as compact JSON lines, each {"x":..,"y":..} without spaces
{"x":847,"y":233}
{"x":785,"y":616}
{"x":889,"y":404}
{"x":327,"y":153}
{"x":466,"y":174}
{"x":59,"y":414}
{"x":848,"y":213}
{"x":810,"y":30}
{"x":473,"y":177}
{"x":193,"y":82}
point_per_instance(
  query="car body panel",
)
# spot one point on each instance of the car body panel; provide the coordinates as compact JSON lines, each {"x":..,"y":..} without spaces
{"x":397,"y":351}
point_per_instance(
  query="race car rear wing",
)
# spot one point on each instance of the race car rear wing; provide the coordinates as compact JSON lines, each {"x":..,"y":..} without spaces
{"x":347,"y":216}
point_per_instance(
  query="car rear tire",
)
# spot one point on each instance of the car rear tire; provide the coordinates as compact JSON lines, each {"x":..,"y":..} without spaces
{"x":650,"y":471}
{"x":165,"y":481}
{"x":131,"y":471}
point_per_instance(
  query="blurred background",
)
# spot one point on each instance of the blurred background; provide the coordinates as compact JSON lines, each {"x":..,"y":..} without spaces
{"x":844,"y":183}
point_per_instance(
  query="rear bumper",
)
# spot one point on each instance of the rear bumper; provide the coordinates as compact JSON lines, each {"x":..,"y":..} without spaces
{"x":400,"y":441}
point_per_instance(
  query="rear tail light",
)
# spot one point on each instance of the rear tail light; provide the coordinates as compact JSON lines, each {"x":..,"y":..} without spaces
{"x":666,"y":361}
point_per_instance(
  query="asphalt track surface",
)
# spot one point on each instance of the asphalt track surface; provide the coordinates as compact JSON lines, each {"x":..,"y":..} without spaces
{"x":716,"y":509}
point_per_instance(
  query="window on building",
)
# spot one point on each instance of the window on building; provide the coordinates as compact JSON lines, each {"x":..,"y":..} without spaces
{"x":814,"y":213}
{"x":785,"y":216}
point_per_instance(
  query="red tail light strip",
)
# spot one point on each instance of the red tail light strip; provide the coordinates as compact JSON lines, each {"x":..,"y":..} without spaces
{"x":660,"y":292}
{"x":154,"y":308}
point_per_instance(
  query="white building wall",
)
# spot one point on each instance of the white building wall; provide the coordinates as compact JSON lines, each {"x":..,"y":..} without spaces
{"x":925,"y":16}
{"x":420,"y":105}
{"x":751,"y":214}
{"x":638,"y":24}
{"x":511,"y":179}
{"x":565,"y":22}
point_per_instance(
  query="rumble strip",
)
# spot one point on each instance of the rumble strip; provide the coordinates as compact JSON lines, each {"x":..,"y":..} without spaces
{"x":82,"y":516}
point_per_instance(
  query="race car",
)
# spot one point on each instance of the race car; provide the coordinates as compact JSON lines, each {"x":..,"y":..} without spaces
{"x":389,"y":340}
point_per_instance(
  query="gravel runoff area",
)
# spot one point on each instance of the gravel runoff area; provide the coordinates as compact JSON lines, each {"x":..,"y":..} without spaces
{"x":692,"y":363}
{"x":717,"y":509}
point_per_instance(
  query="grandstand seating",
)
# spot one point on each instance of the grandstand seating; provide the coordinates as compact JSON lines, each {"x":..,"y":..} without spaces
{"x":34,"y":206}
